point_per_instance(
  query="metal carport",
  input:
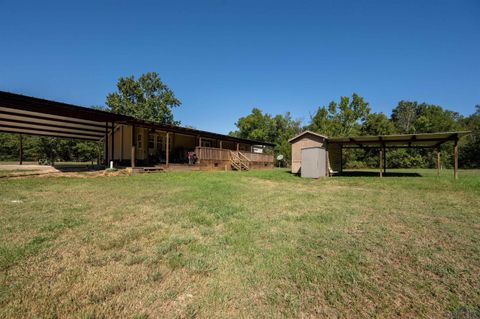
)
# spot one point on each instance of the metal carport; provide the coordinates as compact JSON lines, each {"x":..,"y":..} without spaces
{"x":384,"y":142}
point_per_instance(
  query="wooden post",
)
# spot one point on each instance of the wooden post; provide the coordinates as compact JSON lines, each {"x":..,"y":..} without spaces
{"x":121,"y":144}
{"x":106,"y":144}
{"x":381,"y":160}
{"x":167,"y":149}
{"x":384,"y":161}
{"x":341,"y":158}
{"x":438,"y":161}
{"x":238,"y":147}
{"x":132,"y":155}
{"x":199,"y":141}
{"x":327,"y":171}
{"x":20,"y":154}
{"x":455,"y":154}
{"x":221,"y":144}
{"x":113,"y":142}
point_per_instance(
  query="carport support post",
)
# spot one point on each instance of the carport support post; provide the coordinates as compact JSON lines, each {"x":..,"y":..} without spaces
{"x":381,"y":161}
{"x":113,"y":142}
{"x":106,"y":144}
{"x":384,"y":160}
{"x":20,"y":154}
{"x":438,"y":161}
{"x":341,"y":158}
{"x":132,"y":155}
{"x":167,"y":149}
{"x":455,"y":154}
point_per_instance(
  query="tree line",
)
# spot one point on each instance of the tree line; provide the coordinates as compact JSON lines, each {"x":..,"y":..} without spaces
{"x":148,"y":98}
{"x":352,"y":116}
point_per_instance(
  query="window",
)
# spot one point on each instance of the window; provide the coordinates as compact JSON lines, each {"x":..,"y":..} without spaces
{"x":151,"y":141}
{"x":139,"y":141}
{"x":206,"y":143}
{"x":162,"y":142}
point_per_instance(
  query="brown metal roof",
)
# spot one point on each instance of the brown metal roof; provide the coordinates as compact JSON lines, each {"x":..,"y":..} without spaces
{"x":34,"y":116}
{"x":399,"y":140}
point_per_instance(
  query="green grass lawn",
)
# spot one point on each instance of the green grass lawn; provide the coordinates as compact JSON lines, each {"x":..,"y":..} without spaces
{"x":228,"y":244}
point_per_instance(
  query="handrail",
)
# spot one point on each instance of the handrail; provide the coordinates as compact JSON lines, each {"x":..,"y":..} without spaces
{"x":222,"y":154}
{"x":243,"y":155}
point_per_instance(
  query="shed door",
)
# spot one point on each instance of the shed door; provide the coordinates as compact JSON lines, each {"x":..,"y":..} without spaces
{"x":313,"y":162}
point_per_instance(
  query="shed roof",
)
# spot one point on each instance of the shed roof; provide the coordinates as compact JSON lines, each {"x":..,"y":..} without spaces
{"x":305,"y":133}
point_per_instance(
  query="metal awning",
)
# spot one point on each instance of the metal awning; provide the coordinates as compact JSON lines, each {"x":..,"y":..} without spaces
{"x":33,"y":116}
{"x":420,"y":140}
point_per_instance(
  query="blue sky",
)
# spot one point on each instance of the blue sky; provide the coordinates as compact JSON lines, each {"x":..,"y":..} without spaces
{"x":224,"y":57}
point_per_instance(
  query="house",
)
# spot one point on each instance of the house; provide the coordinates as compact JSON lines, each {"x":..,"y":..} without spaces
{"x":129,"y":141}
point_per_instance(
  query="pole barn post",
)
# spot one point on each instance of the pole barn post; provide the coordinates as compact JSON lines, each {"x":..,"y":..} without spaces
{"x":132,"y":155}
{"x":380,"y":164}
{"x":438,"y":161}
{"x":167,"y":149}
{"x":384,"y":160}
{"x":341,"y":158}
{"x":455,"y":154}
{"x":20,"y":154}
{"x":106,"y":144}
{"x":113,"y":142}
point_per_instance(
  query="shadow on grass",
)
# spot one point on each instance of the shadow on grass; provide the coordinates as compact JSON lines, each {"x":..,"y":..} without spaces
{"x":365,"y":174}
{"x":376,"y":174}
{"x":78,"y":168}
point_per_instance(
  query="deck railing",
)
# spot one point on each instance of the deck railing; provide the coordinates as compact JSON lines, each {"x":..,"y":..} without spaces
{"x":211,"y":153}
{"x":220,"y":154}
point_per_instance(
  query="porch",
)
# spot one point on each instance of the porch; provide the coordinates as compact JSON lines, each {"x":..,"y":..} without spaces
{"x":210,"y":158}
{"x":158,"y":148}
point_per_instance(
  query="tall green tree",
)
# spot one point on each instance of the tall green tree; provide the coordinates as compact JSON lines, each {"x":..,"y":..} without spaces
{"x":267,"y":128}
{"x":147,"y":98}
{"x":469,"y":156}
{"x":404,"y":116}
{"x":377,"y":124}
{"x":340,"y":119}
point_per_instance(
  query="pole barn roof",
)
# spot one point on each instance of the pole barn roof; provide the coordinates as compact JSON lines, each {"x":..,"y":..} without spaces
{"x":420,"y":140}
{"x":34,"y":116}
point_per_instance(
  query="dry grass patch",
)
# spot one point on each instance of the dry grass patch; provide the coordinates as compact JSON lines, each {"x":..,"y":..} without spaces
{"x":221,"y":244}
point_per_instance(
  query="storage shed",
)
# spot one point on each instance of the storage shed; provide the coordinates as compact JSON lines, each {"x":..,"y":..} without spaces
{"x":309,"y":139}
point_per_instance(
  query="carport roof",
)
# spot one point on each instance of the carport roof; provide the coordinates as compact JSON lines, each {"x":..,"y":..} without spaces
{"x":399,"y":140}
{"x":33,"y":116}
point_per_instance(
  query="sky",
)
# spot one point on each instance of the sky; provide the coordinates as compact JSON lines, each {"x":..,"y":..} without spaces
{"x":224,"y":57}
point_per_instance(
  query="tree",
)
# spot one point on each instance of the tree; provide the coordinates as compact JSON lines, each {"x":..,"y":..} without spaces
{"x":340,"y":119}
{"x":147,"y":98}
{"x":255,"y":126}
{"x":377,"y":124}
{"x":433,"y":118}
{"x":469,"y":152}
{"x":267,"y":128}
{"x":404,"y":116}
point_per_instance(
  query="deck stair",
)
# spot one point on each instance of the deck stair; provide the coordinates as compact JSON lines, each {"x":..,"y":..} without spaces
{"x":239,"y":161}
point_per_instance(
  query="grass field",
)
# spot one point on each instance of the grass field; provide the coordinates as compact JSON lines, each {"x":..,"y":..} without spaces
{"x":226,"y":244}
